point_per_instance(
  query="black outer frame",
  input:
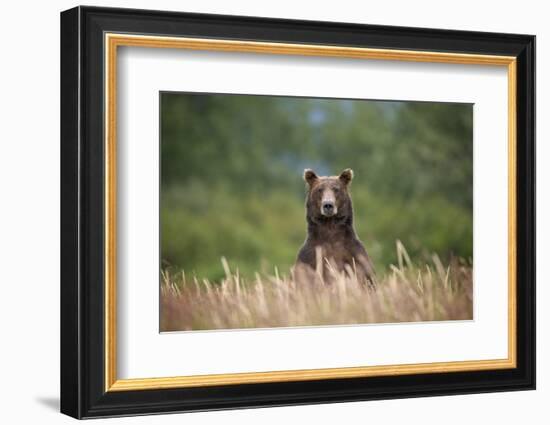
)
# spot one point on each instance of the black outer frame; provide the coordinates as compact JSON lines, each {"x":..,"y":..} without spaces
{"x":82,"y":212}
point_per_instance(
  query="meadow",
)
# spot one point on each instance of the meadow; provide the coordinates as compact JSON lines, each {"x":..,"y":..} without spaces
{"x":406,"y":292}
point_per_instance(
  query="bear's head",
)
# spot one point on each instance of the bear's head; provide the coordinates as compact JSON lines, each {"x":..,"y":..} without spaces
{"x":328,"y":198}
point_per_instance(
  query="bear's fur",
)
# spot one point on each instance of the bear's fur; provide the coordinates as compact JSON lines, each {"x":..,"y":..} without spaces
{"x":331,"y":237}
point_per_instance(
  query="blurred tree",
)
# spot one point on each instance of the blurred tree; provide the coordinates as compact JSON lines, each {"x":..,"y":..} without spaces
{"x":231,"y":182}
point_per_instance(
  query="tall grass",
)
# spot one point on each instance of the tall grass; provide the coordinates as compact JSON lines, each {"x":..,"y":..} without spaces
{"x":406,"y":293}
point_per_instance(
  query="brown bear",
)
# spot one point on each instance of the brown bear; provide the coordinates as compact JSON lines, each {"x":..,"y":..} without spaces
{"x":331,"y":237}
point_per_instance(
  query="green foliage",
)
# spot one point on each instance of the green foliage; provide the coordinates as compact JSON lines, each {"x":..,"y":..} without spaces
{"x":232,"y":177}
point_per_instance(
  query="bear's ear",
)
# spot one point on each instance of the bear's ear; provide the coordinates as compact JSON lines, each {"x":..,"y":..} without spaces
{"x":310,"y":177}
{"x":346,"y":176}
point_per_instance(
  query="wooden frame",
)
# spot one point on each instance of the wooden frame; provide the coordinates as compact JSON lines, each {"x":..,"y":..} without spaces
{"x":89,"y":384}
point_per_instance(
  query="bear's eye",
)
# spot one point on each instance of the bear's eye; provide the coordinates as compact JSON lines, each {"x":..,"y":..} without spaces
{"x":335,"y":189}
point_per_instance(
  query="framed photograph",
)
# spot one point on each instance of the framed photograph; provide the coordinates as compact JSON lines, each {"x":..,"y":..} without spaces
{"x":260,"y":212}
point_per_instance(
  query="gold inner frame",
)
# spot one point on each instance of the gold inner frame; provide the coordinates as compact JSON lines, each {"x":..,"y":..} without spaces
{"x":113,"y":41}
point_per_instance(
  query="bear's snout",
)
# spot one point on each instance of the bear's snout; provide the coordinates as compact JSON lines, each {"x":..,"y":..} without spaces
{"x":328,"y":203}
{"x":328,"y":209}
